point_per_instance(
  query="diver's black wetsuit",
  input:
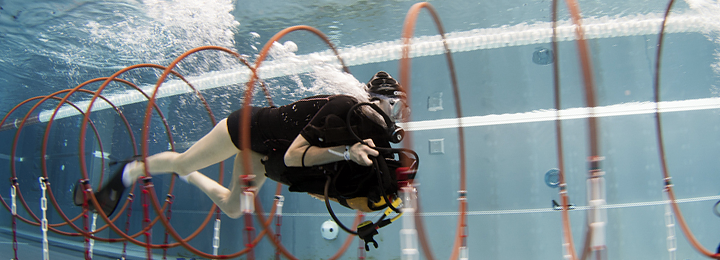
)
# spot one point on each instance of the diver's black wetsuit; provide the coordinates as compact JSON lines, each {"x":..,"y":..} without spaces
{"x":273,"y":126}
{"x":321,"y":121}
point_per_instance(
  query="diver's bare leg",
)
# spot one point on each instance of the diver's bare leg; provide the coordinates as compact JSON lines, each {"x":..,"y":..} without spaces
{"x":229,"y":200}
{"x":213,"y":148}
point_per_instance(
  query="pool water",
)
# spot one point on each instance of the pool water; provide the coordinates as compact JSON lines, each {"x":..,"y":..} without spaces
{"x":506,"y":95}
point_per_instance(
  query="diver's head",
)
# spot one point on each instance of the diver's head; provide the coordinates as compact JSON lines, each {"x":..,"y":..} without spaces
{"x":389,"y":95}
{"x":385,"y":85}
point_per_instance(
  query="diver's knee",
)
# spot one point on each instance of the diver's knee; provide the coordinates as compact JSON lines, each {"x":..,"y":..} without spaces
{"x":233,"y":213}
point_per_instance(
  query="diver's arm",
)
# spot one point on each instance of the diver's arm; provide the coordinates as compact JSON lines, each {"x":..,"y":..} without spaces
{"x":315,"y":155}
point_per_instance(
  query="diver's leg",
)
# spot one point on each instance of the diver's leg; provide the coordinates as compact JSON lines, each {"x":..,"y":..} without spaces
{"x":212,"y":148}
{"x":229,"y":200}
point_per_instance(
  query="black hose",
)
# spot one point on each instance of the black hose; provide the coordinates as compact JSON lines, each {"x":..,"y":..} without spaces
{"x":379,"y":166}
{"x":329,"y":208}
{"x":376,"y":162}
{"x":332,"y":213}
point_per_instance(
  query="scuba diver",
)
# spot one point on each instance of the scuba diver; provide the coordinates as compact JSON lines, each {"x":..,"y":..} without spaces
{"x":306,"y":145}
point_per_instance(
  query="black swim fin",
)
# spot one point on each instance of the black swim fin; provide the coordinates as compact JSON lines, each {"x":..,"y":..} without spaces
{"x":108,"y":196}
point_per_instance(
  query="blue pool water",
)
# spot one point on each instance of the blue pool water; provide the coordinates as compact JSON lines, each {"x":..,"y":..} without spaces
{"x":506,"y":96}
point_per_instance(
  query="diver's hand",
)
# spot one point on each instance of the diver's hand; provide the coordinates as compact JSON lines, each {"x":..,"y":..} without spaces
{"x":361,"y":153}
